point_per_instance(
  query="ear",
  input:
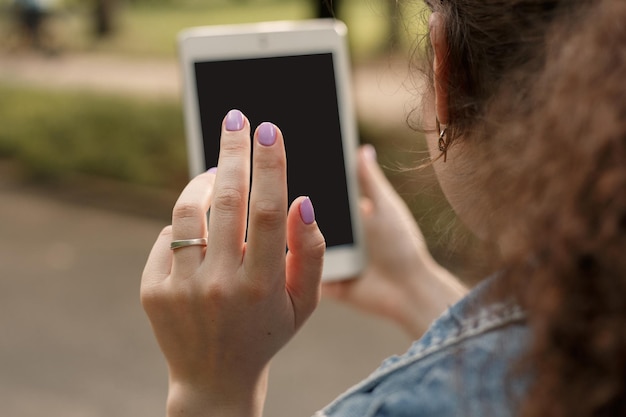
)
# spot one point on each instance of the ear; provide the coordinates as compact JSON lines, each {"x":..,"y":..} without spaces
{"x":439,"y":43}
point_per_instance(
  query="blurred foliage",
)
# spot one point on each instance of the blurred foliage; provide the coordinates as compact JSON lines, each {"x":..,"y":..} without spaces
{"x":150,"y":27}
{"x":54,"y":134}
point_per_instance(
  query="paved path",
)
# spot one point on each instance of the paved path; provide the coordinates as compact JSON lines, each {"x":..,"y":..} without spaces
{"x":73,"y":338}
{"x":75,"y":342}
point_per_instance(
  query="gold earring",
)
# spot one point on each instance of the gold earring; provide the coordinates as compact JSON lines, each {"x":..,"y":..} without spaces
{"x":444,"y":141}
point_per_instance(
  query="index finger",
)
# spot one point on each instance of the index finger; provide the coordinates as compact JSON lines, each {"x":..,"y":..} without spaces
{"x":229,"y":208}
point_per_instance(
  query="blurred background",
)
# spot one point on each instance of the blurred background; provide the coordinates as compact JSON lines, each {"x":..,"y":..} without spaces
{"x":92,"y":157}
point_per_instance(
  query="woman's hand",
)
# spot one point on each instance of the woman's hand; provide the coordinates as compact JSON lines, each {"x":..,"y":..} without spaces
{"x":401,"y":282}
{"x":220,"y":313}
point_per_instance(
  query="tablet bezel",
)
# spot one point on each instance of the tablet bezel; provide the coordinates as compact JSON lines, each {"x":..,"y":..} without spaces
{"x":269,"y":39}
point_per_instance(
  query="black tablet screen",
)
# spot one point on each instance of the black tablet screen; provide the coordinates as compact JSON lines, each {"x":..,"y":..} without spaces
{"x":298,"y":94}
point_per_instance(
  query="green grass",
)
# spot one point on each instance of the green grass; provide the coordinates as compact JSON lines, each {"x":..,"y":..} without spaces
{"x":55,"y":134}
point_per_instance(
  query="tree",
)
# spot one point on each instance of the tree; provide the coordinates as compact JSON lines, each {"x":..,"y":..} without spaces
{"x":104,"y":17}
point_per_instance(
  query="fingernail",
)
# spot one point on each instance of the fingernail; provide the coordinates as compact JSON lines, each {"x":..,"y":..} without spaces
{"x":370,"y":152}
{"x":266,"y":134}
{"x":212,"y":170}
{"x":307,"y":214}
{"x":234,"y":120}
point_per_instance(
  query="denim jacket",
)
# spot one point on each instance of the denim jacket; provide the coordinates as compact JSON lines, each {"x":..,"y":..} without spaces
{"x":460,"y":367}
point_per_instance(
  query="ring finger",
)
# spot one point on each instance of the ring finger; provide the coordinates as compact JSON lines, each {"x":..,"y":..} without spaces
{"x":189,"y":222}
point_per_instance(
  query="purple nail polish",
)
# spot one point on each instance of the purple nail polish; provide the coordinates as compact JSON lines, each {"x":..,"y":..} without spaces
{"x":234,"y":121}
{"x":212,"y":170}
{"x":266,"y":134}
{"x":307,"y":214}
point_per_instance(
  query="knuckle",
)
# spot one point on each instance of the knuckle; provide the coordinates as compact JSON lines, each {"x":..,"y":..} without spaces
{"x":161,"y":298}
{"x":187,"y":210}
{"x":235,"y":145}
{"x":228,"y":198}
{"x":268,"y":213}
{"x":317,"y":249}
{"x":255,"y":293}
{"x":214,"y":293}
{"x":270,"y":163}
{"x":151,"y":297}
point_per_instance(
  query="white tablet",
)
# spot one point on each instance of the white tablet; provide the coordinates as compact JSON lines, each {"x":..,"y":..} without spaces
{"x":295,"y":74}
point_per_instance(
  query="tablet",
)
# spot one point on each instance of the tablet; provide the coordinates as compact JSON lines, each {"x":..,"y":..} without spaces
{"x":295,"y":74}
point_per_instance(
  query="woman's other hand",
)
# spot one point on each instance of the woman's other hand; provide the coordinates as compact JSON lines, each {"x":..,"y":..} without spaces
{"x":220,"y":313}
{"x":401,"y":282}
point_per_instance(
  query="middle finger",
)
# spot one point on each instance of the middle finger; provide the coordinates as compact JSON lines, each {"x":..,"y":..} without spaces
{"x":268,"y":204}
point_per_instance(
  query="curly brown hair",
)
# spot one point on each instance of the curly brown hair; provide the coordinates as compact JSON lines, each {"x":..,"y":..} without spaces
{"x":488,"y":41}
{"x":556,"y":165}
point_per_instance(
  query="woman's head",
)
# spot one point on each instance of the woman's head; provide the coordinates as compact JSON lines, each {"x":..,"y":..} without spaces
{"x":476,"y":47}
{"x":563,"y":148}
{"x":481,"y":43}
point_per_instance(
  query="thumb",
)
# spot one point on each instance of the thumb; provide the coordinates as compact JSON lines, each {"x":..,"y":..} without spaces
{"x":374,"y":184}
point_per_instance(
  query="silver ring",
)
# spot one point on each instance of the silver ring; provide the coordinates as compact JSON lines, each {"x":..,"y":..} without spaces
{"x":202,"y":241}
